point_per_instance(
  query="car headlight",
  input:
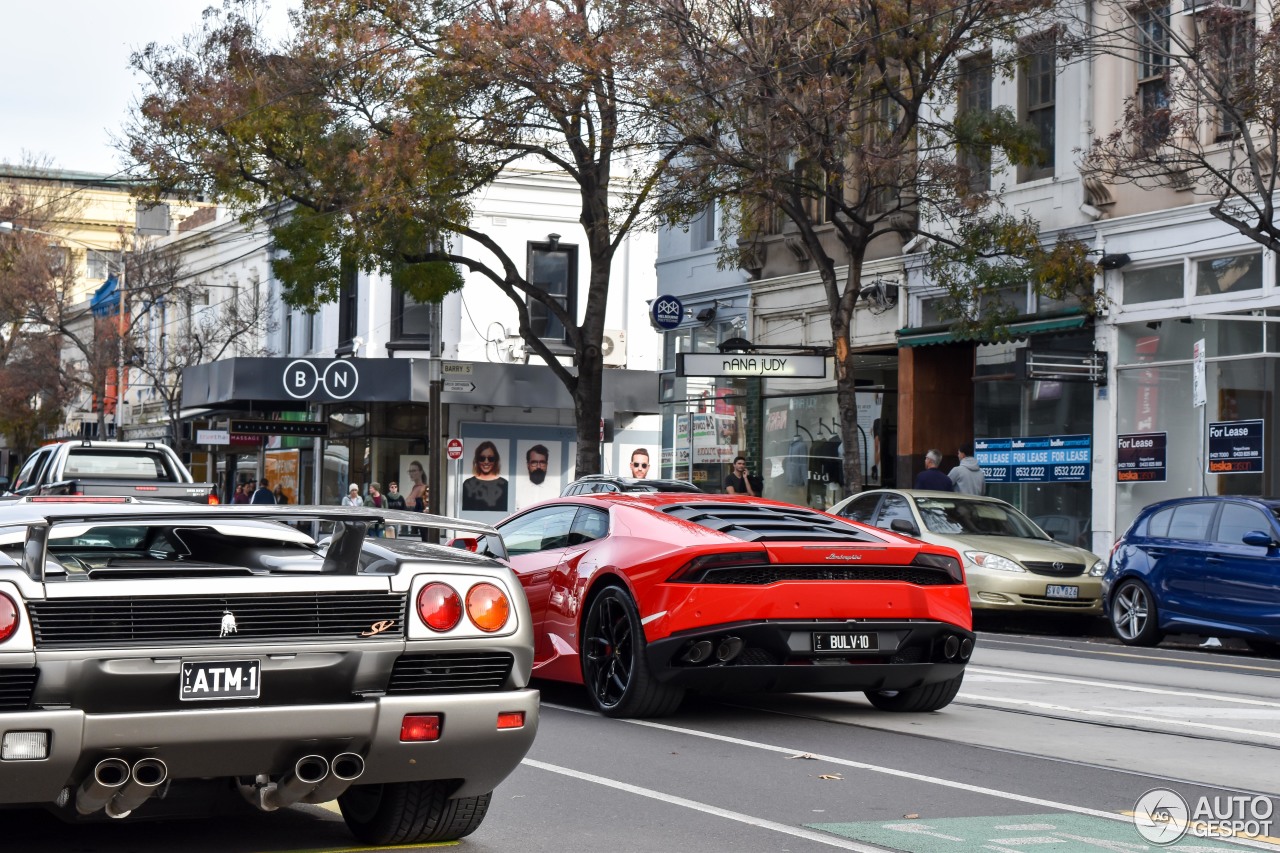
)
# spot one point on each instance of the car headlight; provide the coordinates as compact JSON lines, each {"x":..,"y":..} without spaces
{"x":983,"y":560}
{"x":1098,"y":569}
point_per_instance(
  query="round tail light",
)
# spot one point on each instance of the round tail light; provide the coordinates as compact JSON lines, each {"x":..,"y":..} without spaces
{"x":8,"y":617}
{"x":488,"y":607}
{"x":439,"y":606}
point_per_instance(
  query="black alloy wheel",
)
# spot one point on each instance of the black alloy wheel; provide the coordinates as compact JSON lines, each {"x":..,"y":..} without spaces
{"x":614,"y":669}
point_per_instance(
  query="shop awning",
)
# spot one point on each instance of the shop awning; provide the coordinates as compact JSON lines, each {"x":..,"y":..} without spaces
{"x":943,"y":333}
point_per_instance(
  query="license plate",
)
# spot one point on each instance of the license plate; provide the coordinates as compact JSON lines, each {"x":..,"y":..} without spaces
{"x":220,"y":679}
{"x":1054,"y":590}
{"x":845,"y":642}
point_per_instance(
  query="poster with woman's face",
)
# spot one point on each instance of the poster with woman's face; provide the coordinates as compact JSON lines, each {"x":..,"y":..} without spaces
{"x":486,"y":493}
{"x":536,"y":474}
{"x":413,"y":481}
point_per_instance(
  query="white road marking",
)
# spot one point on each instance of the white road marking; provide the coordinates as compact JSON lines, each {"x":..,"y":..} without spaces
{"x":1121,"y":714}
{"x":891,"y":771}
{"x":750,"y":820}
{"x":1131,"y":688}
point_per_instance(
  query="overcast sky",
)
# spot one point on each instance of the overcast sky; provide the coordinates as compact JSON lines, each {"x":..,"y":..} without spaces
{"x":69,"y":86}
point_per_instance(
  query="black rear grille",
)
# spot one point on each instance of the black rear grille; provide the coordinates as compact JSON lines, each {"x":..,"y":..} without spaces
{"x":450,"y":673}
{"x":773,"y":573}
{"x":16,"y":687}
{"x":1062,"y":603}
{"x":760,"y":523}
{"x":180,"y":620}
{"x":1057,"y":570}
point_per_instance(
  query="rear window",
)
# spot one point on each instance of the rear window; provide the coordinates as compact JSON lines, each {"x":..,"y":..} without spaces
{"x":115,"y":465}
{"x":1191,"y":521}
{"x":1158,"y":525}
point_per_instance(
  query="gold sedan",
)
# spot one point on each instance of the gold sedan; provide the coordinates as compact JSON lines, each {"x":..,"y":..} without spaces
{"x":1009,"y":563}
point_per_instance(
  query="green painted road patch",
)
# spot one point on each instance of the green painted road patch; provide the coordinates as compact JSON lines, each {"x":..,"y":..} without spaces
{"x":1042,"y":833}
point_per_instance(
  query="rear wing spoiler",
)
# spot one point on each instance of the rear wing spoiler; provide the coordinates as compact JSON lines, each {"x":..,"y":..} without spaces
{"x":342,"y":555}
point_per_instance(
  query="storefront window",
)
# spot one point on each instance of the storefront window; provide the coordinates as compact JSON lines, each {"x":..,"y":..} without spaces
{"x":1158,"y":399}
{"x":1153,"y":284}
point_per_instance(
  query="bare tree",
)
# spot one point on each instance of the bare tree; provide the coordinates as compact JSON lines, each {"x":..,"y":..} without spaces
{"x":1205,"y":117}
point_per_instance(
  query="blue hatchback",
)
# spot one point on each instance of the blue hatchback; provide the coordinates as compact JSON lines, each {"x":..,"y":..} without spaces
{"x":1207,"y":565}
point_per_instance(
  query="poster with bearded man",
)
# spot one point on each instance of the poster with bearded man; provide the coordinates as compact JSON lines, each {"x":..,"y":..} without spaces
{"x":536,"y":472}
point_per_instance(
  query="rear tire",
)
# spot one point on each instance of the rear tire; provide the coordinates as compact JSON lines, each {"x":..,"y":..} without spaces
{"x":410,"y":812}
{"x":1266,"y":648}
{"x":1134,"y":617}
{"x":614,"y":669}
{"x":929,"y":697}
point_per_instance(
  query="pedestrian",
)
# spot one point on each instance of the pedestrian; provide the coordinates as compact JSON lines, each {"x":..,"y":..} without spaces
{"x":741,"y":481}
{"x":376,"y":500}
{"x":242,"y":494}
{"x":263,"y":493}
{"x":353,"y":496}
{"x":967,"y":477}
{"x":279,"y":495}
{"x":931,"y":478}
{"x":395,"y":500}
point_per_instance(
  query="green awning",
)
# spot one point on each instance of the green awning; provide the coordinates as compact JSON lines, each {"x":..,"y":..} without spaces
{"x":943,"y":334}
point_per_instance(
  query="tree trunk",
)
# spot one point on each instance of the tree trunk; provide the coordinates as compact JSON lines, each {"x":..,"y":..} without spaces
{"x":588,"y":408}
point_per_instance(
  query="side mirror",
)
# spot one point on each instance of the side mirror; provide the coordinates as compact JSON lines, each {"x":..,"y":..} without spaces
{"x":466,"y":543}
{"x":4,"y":484}
{"x":1259,"y":539}
{"x":902,"y":525}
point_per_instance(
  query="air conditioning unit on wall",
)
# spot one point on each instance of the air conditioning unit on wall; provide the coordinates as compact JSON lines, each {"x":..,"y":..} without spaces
{"x":613,"y":348}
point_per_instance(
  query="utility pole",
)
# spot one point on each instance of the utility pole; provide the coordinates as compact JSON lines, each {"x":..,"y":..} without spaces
{"x":435,"y":418}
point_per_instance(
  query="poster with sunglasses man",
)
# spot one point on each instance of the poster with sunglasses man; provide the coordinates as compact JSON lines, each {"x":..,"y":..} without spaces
{"x":542,"y":472}
{"x":639,"y":463}
{"x":486,"y":490}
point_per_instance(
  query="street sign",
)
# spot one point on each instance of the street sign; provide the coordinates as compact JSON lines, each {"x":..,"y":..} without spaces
{"x":457,"y":368}
{"x":460,"y":386}
{"x":454,"y":448}
{"x":1198,"y":397}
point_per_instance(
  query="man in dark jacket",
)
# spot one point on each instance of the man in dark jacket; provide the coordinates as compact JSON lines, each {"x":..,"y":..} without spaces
{"x":263,"y":494}
{"x":931,"y":478}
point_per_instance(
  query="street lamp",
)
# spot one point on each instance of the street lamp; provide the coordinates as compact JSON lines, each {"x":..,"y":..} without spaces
{"x":14,"y":228}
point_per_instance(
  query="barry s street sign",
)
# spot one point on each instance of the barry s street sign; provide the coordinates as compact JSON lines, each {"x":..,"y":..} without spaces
{"x":743,"y":365}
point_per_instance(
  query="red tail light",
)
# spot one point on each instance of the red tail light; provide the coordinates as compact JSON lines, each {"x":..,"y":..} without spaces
{"x":439,"y":606}
{"x":696,"y":570}
{"x":8,"y":617}
{"x":488,"y":607}
{"x":416,"y":728}
{"x":213,"y":499}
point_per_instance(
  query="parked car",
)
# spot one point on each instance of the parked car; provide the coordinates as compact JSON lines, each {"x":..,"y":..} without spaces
{"x":1206,"y":565}
{"x":141,"y":469}
{"x":1010,"y":563}
{"x":157,"y":657}
{"x":642,"y":596}
{"x":596,"y":483}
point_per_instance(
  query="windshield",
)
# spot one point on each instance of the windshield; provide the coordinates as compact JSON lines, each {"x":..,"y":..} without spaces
{"x":956,"y":516}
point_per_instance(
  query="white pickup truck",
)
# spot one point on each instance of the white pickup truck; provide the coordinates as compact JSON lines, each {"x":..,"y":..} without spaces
{"x":142,"y":469}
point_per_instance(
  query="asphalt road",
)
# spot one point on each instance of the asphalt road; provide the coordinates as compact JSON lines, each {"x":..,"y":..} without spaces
{"x":1047,"y":748}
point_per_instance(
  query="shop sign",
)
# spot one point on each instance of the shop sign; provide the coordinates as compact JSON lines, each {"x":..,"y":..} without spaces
{"x":667,"y":312}
{"x":1235,"y":447}
{"x":1140,"y":457}
{"x":751,"y":365}
{"x":1035,"y":459}
{"x":213,"y":436}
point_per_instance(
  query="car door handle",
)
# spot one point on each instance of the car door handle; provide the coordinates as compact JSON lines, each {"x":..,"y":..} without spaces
{"x":1155,"y":552}
{"x":1216,"y":561}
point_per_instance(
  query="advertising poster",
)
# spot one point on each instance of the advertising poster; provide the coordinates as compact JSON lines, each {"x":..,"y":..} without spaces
{"x":486,"y":488}
{"x":281,"y":469}
{"x":1141,"y":457}
{"x":413,"y":481}
{"x":1235,"y":447}
{"x":536,"y":472}
{"x":1035,"y":459}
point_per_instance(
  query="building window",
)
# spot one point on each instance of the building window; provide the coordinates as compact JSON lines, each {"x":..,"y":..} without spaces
{"x":1153,"y":68}
{"x":1036,"y":102}
{"x":1152,"y":285}
{"x":1229,"y":275}
{"x":1228,"y":43}
{"x":97,"y":264}
{"x":411,"y":320}
{"x":289,"y":315}
{"x":881,"y":174}
{"x":348,"y":293}
{"x":974,"y":100}
{"x":708,"y":229}
{"x":553,"y":267}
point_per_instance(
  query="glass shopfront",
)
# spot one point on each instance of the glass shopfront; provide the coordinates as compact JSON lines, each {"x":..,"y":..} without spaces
{"x":1006,"y":407}
{"x":1154,"y":396}
{"x":380,"y":443}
